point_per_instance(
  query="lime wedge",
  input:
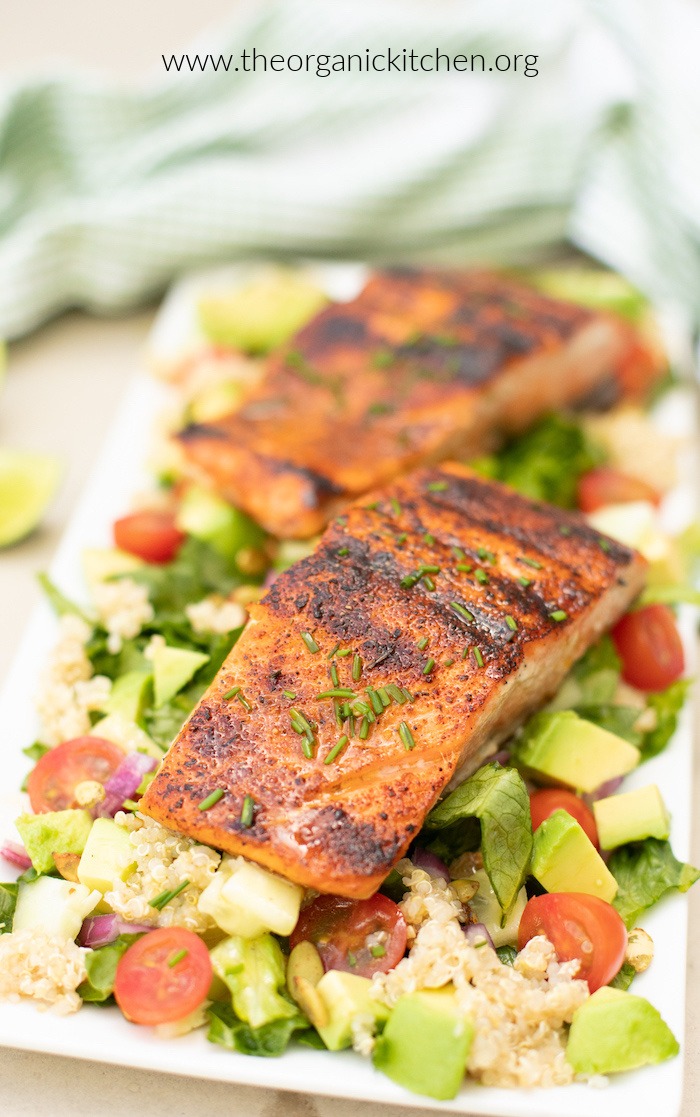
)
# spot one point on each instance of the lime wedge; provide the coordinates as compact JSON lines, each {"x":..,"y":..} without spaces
{"x":27,"y":484}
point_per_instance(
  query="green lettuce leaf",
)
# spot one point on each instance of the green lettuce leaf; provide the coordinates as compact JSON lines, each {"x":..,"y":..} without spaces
{"x":619,"y":720}
{"x":8,"y":903}
{"x":60,"y":604}
{"x":667,"y":704}
{"x":101,"y":966}
{"x":597,"y":673}
{"x":254,"y":971}
{"x":268,"y":1041}
{"x":498,"y":798}
{"x":624,"y":977}
{"x":646,"y":871}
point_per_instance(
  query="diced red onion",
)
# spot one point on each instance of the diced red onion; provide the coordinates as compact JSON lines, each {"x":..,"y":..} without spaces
{"x":15,"y":854}
{"x":602,"y":792}
{"x":100,"y":930}
{"x":501,"y":757}
{"x":476,"y":933}
{"x":270,"y":578}
{"x":123,"y":783}
{"x":430,"y":863}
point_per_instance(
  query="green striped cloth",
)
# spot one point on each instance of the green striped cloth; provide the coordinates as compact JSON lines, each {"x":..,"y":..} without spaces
{"x":106,"y":195}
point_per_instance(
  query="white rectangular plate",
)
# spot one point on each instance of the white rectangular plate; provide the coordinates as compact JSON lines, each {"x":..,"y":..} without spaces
{"x":104,"y":1035}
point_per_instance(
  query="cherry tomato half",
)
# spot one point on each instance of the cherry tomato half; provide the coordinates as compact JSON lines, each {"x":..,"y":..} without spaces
{"x":163,"y":976}
{"x":650,"y":648}
{"x":150,"y":535}
{"x":609,"y":486}
{"x":549,"y":799}
{"x":52,"y":781}
{"x":578,"y":926}
{"x":359,"y":936}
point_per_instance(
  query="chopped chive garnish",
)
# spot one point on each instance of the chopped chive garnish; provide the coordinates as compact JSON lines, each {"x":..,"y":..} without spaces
{"x":371,"y":717}
{"x":351,"y":724}
{"x":422,"y":643}
{"x":384,"y":697}
{"x":377,"y":951}
{"x":300,"y":723}
{"x":336,"y":692}
{"x":340,"y":744}
{"x":604,"y":545}
{"x":247,"y":811}
{"x":485,"y":555}
{"x":165,"y":897}
{"x":409,"y":580}
{"x":338,"y":715}
{"x":342,"y":520}
{"x":478,"y":657}
{"x":409,"y":696}
{"x":383,"y":358}
{"x":429,"y":538}
{"x":373,"y":506}
{"x":437,"y":486}
{"x":364,"y":729}
{"x":356,"y":667}
{"x":396,"y":507}
{"x":564,"y":529}
{"x":449,"y":662}
{"x":360,"y":708}
{"x":345,"y":710}
{"x":465,"y":653}
{"x":511,"y":622}
{"x":232,"y":693}
{"x":481,"y":576}
{"x":401,"y":539}
{"x":343,"y":653}
{"x":430,"y":663}
{"x":396,"y":693}
{"x":558,"y":615}
{"x":525,"y":582}
{"x":310,"y":642}
{"x":331,"y":654}
{"x":428,"y":583}
{"x":210,"y":800}
{"x":428,"y":570}
{"x":461,"y":611}
{"x":406,"y":736}
{"x":343,"y":552}
{"x":289,"y":694}
{"x":352,"y":960}
{"x":463,"y":567}
{"x":458,"y":553}
{"x":334,"y":675}
{"x":531,"y":562}
{"x":375,"y":700}
{"x":307,"y":748}
{"x":172,"y":962}
{"x":244,"y":701}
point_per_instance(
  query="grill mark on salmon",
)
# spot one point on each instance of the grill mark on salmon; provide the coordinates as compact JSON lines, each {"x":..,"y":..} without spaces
{"x":340,"y":827}
{"x":422,"y":366}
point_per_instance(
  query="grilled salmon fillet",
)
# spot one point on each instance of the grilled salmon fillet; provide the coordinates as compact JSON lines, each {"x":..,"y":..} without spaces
{"x":422,"y":366}
{"x":443,"y":611}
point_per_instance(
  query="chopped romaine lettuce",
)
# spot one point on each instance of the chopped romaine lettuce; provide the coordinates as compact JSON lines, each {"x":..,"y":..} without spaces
{"x":667,"y":705}
{"x":254,"y":971}
{"x":8,"y":903}
{"x":269,"y":1040}
{"x":646,"y":871}
{"x":101,"y":966}
{"x":624,"y":977}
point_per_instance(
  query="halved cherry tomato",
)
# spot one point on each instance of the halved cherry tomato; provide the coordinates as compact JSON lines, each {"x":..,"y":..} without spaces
{"x":163,"y":976}
{"x":359,"y":936}
{"x":648,"y":643}
{"x":578,"y":926}
{"x":52,"y":781}
{"x":549,"y":799}
{"x":150,"y":535}
{"x":606,"y":485}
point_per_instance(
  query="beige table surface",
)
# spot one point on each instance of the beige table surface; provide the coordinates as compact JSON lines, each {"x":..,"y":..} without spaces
{"x":63,"y":386}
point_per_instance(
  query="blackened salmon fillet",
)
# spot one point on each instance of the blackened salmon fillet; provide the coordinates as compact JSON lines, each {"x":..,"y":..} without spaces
{"x":429,"y":621}
{"x":423,"y":365}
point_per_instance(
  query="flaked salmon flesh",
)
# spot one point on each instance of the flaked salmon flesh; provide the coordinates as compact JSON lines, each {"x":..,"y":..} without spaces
{"x":422,"y":366}
{"x":438,"y":613}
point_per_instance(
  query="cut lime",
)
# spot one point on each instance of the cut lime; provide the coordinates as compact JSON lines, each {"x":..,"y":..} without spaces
{"x":262,"y":314}
{"x":27,"y":484}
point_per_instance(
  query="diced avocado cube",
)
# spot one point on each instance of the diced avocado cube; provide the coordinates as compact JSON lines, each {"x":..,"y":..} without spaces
{"x":53,"y":832}
{"x":488,"y":911}
{"x":425,"y":1044}
{"x":53,"y":905}
{"x":346,"y":996}
{"x":108,"y":856}
{"x":246,"y":900}
{"x":564,"y":859}
{"x":127,"y":734}
{"x":616,"y":1031}
{"x":216,"y":400}
{"x":261,"y":314}
{"x":102,"y":563}
{"x":210,"y":518}
{"x":563,"y":748}
{"x":172,"y":670}
{"x":129,"y":695}
{"x":631,"y":816}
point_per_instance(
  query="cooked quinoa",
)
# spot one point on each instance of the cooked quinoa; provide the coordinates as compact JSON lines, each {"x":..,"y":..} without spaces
{"x":41,"y":966}
{"x":123,"y":609}
{"x":215,"y":614}
{"x":164,"y":860}
{"x":518,"y":1011}
{"x":623,"y":432}
{"x":69,"y":690}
